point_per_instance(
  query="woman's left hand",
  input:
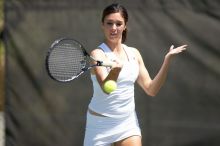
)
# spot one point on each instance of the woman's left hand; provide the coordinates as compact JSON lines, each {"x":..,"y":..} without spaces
{"x":174,"y":51}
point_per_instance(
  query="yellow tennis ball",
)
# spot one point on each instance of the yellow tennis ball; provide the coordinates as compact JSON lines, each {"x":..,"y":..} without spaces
{"x":109,"y":86}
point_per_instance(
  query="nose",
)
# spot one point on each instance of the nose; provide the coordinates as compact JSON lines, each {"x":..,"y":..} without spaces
{"x":114,"y":26}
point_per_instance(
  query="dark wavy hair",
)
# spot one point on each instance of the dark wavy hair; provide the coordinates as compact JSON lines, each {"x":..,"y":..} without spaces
{"x":117,"y":8}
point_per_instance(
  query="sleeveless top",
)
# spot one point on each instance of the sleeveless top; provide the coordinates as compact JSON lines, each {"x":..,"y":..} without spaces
{"x":120,"y":102}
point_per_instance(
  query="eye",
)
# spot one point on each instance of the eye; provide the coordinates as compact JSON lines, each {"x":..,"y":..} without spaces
{"x":118,"y":24}
{"x":109,"y":23}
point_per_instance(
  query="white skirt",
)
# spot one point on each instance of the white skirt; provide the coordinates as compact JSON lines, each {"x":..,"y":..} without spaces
{"x":103,"y":131}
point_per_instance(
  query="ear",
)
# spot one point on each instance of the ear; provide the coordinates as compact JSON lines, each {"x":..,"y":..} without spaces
{"x":125,"y":27}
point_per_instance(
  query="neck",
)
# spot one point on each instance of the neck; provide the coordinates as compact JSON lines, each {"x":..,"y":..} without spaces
{"x":115,"y":47}
{"x":118,"y":50}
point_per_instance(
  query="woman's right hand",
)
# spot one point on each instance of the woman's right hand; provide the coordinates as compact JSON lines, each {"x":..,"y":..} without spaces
{"x":116,"y":65}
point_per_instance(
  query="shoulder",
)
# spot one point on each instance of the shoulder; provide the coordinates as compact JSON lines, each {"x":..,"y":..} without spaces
{"x":98,"y":54}
{"x":97,"y":50}
{"x":100,"y":50}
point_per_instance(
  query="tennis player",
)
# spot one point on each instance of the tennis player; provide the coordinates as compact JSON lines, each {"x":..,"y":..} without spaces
{"x":111,"y":118}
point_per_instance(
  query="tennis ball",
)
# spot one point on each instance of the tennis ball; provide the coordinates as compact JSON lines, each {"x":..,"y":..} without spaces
{"x":109,"y":86}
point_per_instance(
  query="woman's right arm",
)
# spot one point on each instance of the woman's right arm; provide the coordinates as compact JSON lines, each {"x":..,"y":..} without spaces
{"x":101,"y":72}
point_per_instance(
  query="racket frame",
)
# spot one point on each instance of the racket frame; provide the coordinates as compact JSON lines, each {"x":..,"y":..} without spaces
{"x":86,"y":55}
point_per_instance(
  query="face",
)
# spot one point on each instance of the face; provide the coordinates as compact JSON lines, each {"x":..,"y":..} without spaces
{"x":113,"y":27}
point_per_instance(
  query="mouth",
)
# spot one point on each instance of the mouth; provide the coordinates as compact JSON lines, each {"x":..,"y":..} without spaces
{"x":113,"y":34}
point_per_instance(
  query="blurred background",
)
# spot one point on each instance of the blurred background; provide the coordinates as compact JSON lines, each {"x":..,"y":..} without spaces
{"x":42,"y":112}
{"x":2,"y":77}
{"x":2,"y":57}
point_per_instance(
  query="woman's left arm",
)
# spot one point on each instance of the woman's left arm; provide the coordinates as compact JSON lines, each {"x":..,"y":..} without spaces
{"x":152,"y":86}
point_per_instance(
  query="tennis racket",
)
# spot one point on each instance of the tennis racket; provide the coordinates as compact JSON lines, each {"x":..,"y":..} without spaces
{"x":67,"y":59}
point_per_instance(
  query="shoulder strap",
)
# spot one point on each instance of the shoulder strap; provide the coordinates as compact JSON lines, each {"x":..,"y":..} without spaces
{"x":129,"y":51}
{"x":107,"y":51}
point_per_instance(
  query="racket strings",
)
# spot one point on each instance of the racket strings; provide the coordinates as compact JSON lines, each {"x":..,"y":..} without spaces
{"x":66,"y":61}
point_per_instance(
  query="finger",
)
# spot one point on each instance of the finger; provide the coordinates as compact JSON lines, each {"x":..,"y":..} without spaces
{"x":171,"y":47}
{"x":181,"y":50}
{"x":184,"y":49}
{"x":184,"y":46}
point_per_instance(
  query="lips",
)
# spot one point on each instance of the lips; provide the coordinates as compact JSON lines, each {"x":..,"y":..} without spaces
{"x":113,"y":34}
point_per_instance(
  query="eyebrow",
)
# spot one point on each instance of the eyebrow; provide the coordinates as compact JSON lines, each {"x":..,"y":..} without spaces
{"x":114,"y":20}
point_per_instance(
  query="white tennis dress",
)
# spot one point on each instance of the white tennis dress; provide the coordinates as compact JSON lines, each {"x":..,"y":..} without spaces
{"x":119,"y":120}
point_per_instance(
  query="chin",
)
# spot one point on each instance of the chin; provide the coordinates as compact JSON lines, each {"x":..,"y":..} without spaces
{"x":114,"y":40}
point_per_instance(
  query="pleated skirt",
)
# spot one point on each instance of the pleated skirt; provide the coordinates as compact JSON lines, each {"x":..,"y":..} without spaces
{"x":103,"y":131}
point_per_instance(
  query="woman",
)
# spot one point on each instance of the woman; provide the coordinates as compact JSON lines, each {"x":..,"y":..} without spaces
{"x":111,"y":118}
